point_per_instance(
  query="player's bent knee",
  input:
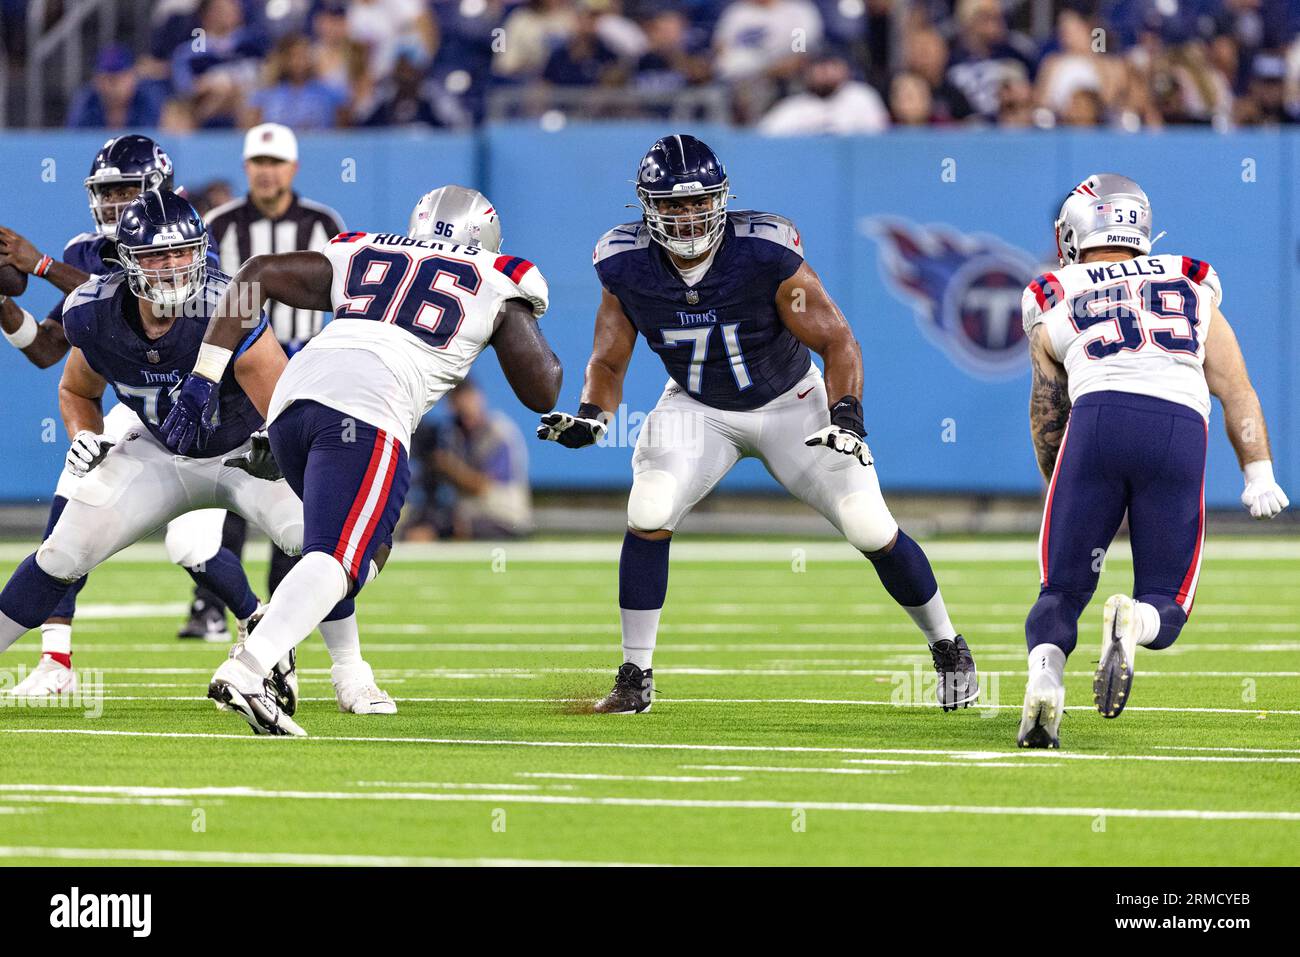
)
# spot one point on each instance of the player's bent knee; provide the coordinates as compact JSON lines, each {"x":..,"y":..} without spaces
{"x":183,"y":550}
{"x":865,"y":522}
{"x":652,"y":501}
{"x":326,"y":568}
{"x":60,"y":562}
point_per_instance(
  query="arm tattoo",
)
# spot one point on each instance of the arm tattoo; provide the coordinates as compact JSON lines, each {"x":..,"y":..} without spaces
{"x":1049,"y":410}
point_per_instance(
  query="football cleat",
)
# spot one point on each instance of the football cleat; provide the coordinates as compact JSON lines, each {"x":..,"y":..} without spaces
{"x":284,"y":682}
{"x":207,"y":622}
{"x":633,"y":691}
{"x":357,"y":693}
{"x":236,"y":687}
{"x":246,"y":625}
{"x":958,"y":685}
{"x":47,"y":679}
{"x":1040,"y":722}
{"x":1113,"y":682}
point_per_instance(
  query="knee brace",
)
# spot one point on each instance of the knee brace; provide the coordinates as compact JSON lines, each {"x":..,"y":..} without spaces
{"x":60,"y":562}
{"x":865,"y":522}
{"x":184,"y":551}
{"x":651,"y":503}
{"x":1054,"y":619}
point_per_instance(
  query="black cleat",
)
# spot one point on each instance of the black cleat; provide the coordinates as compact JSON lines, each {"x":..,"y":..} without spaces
{"x":958,"y":685}
{"x":207,"y":622}
{"x":633,"y":691}
{"x":284,"y":682}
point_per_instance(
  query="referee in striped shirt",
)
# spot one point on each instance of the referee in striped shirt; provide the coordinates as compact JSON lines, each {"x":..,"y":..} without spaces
{"x":272,"y":218}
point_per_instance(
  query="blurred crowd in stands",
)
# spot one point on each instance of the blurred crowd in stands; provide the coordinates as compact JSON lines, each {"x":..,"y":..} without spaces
{"x":787,"y":66}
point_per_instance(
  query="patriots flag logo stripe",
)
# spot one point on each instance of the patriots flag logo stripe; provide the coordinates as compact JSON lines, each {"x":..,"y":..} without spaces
{"x":965,"y":290}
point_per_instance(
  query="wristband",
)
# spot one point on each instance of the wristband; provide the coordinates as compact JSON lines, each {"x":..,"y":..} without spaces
{"x":589,"y":410}
{"x":25,"y":334}
{"x":43,"y":266}
{"x":212,"y":361}
{"x":1261,"y":471}
{"x":847,"y":414}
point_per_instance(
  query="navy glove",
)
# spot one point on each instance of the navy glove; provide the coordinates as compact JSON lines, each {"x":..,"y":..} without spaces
{"x":574,"y":431}
{"x":190,"y":422}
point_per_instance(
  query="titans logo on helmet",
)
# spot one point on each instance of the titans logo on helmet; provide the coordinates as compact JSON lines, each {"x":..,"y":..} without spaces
{"x":965,"y":290}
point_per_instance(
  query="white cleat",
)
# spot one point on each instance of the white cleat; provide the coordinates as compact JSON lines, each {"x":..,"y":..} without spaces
{"x":47,"y":680}
{"x":1040,"y":721}
{"x":1113,"y":682}
{"x":235,"y":686}
{"x":357,"y":693}
{"x":246,"y":625}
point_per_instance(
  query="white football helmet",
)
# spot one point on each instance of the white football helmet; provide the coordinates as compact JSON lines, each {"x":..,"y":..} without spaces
{"x":455,"y":214}
{"x":1106,"y":209}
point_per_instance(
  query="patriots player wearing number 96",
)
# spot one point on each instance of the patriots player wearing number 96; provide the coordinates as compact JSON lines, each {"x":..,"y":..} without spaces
{"x":1127,"y":348}
{"x":727,"y":302}
{"x":411,"y":314}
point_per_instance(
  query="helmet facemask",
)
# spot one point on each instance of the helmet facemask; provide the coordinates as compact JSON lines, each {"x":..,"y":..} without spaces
{"x":106,"y":210}
{"x":168,"y":285}
{"x":692,"y":232}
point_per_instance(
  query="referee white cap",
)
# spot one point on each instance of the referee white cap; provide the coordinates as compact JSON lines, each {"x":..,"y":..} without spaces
{"x":273,"y":140}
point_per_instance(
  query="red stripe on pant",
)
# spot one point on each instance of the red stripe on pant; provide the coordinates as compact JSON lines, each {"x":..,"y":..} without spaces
{"x":381,"y":503}
{"x":1187,"y":589}
{"x":1045,"y":532}
{"x":358,"y":503}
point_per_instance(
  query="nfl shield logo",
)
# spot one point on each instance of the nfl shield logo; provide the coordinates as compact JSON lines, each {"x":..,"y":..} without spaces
{"x":692,"y":297}
{"x":153,"y":356}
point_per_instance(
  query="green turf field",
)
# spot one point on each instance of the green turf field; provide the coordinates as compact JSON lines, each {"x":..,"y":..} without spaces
{"x":794,"y":723}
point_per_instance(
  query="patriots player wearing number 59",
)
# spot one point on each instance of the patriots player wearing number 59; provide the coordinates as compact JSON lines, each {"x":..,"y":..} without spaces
{"x":730,"y":306}
{"x":1127,"y":348}
{"x":411,"y":314}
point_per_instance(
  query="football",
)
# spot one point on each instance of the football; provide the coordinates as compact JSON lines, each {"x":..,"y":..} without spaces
{"x":13,"y":281}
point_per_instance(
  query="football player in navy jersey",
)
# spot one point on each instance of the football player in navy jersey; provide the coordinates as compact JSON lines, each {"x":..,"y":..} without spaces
{"x":727,"y":302}
{"x":122,"y":168}
{"x":138,"y":330}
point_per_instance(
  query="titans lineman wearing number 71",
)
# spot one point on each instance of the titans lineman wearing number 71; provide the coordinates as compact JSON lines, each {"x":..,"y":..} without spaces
{"x":727,"y":302}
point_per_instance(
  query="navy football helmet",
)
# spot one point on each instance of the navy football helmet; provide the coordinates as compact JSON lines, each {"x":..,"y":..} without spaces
{"x":123,"y":168}
{"x":155,"y":230}
{"x":683,"y":188}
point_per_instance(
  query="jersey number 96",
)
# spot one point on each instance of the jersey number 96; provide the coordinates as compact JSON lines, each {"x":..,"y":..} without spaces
{"x":420,"y":297}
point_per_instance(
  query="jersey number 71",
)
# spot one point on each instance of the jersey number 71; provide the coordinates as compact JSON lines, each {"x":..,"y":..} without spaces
{"x":390,"y":286}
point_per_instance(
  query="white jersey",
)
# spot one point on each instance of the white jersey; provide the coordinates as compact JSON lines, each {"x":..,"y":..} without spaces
{"x":410,"y":318}
{"x":1138,"y":325}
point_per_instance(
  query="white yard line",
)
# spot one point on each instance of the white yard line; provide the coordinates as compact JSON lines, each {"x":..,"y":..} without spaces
{"x":886,"y":761}
{"x":664,"y":778}
{"x":284,"y":858}
{"x":869,"y":807}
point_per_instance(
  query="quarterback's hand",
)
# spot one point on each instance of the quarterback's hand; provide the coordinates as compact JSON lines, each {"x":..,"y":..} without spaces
{"x":17,"y":251}
{"x":190,"y":421}
{"x":257,"y":461}
{"x":87,"y":451}
{"x":573,"y":431}
{"x":841,"y":440}
{"x":1263,"y":497}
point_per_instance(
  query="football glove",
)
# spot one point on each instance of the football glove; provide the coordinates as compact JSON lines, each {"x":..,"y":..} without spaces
{"x":194,"y":406}
{"x":842,"y":440}
{"x":87,"y":451}
{"x":574,"y":431}
{"x":1263,"y":497}
{"x":258,"y":461}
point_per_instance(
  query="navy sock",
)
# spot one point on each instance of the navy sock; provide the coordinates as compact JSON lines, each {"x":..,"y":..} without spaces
{"x":31,"y":594}
{"x":1054,"y":619}
{"x":344,"y":609}
{"x":643,"y":573}
{"x":905,"y":572}
{"x":67,"y":606}
{"x":1172,"y":619}
{"x":224,"y":576}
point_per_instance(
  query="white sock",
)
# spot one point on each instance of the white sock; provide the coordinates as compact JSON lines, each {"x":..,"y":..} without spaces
{"x":342,"y":640}
{"x":640,"y":627}
{"x":932,"y":618}
{"x":1147,"y":619}
{"x":1047,"y":658}
{"x":312,"y":587}
{"x":56,"y":639}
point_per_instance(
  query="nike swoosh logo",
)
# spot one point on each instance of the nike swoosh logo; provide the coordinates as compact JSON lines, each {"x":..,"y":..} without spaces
{"x":805,"y":392}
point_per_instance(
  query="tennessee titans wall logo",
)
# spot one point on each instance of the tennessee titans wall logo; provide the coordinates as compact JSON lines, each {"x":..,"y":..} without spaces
{"x":965,"y":290}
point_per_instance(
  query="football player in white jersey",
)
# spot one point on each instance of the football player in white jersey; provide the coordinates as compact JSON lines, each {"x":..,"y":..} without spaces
{"x":1127,"y":348}
{"x":411,"y":314}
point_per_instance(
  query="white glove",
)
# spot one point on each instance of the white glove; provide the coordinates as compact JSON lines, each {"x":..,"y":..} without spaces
{"x":87,"y":451}
{"x":842,"y":440}
{"x":1263,"y":497}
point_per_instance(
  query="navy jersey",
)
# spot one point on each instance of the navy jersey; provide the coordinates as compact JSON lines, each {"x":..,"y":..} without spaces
{"x":143,"y":372}
{"x":722,"y":339}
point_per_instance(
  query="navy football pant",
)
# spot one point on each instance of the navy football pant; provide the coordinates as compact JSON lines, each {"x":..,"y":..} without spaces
{"x":352,"y":479}
{"x":1131,"y":453}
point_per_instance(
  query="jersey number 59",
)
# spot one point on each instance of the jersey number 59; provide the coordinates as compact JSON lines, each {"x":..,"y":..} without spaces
{"x":1168,"y":302}
{"x":389,"y":286}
